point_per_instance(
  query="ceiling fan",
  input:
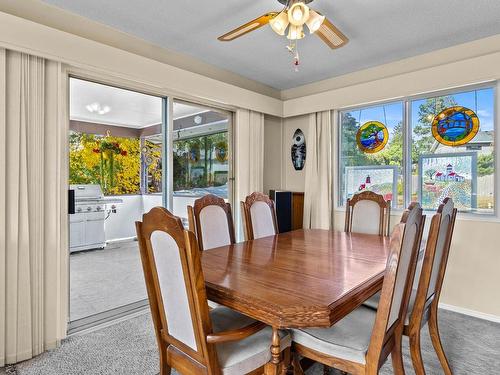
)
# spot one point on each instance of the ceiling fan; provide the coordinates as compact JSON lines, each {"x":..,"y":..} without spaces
{"x":294,"y":15}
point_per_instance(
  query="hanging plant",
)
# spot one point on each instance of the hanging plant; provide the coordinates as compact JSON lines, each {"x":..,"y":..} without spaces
{"x":194,"y":153}
{"x":221,"y":153}
{"x":108,"y":151}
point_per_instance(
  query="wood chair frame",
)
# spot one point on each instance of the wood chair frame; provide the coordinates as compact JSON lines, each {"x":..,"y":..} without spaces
{"x":174,"y":353}
{"x":194,"y":216}
{"x":247,"y":218}
{"x":385,"y":211}
{"x":425,"y":309}
{"x":384,"y":340}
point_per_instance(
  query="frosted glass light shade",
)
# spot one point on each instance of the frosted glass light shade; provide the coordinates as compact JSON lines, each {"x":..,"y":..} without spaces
{"x":295,"y":32}
{"x":315,"y":21}
{"x":298,"y":14}
{"x":279,"y":23}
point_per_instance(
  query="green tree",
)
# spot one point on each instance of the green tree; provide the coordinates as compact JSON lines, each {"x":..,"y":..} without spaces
{"x":422,"y":131}
{"x":351,"y":154}
{"x":485,"y":164}
{"x":392,"y":154}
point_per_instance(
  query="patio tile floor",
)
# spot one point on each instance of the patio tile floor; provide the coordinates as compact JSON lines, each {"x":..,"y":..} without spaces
{"x":101,"y":280}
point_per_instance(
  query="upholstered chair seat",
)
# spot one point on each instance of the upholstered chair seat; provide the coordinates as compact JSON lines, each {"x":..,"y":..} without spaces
{"x":347,"y":339}
{"x":241,"y":357}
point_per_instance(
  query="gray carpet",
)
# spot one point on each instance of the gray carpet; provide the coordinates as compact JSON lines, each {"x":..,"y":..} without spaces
{"x":129,"y":348}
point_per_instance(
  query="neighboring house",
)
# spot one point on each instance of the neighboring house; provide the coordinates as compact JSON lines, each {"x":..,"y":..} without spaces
{"x":449,"y":175}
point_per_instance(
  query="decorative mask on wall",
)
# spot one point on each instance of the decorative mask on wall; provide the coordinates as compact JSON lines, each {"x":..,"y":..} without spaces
{"x":455,"y":126}
{"x":372,"y":137}
{"x":298,"y":150}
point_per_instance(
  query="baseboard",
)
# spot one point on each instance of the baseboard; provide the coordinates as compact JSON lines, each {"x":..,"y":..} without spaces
{"x":473,"y":313}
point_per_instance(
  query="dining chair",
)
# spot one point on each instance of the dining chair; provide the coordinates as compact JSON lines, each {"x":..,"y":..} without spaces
{"x":211,"y":219}
{"x":361,"y":342}
{"x":368,"y":212}
{"x":259,"y":216}
{"x":191,"y":338}
{"x":424,"y":300}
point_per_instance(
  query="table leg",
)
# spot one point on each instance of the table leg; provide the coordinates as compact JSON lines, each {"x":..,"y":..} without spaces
{"x":275,"y":365}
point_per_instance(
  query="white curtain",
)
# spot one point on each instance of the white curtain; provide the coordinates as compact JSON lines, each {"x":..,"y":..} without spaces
{"x":249,"y":158}
{"x":31,"y":291}
{"x":318,"y":185}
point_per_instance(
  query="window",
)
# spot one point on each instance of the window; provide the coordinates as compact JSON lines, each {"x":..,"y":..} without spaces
{"x":443,"y":145}
{"x":380,"y":171}
{"x":201,"y":164}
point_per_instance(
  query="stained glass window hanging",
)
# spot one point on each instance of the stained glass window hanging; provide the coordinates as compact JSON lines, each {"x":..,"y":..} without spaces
{"x":455,"y":126}
{"x":372,"y":137}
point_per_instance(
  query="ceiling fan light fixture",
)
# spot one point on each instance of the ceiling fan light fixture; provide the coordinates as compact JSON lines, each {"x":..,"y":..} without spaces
{"x":315,"y":21}
{"x":298,"y":14}
{"x":295,"y":32}
{"x":279,"y":23}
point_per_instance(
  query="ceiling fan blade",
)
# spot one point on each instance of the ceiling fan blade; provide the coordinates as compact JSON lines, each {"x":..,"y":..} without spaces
{"x":332,"y":36}
{"x":248,"y":27}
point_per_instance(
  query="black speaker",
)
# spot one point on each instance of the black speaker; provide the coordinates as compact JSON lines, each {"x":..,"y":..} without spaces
{"x":71,"y":202}
{"x":283,"y":203}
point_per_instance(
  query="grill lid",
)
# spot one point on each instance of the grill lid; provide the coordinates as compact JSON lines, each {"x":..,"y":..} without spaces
{"x":87,"y":192}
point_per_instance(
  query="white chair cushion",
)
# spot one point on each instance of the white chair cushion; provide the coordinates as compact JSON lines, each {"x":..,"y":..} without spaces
{"x":262,"y":220}
{"x":173,"y":288}
{"x":347,"y":339}
{"x":214,"y":227}
{"x":366,"y":217}
{"x":243,"y":356}
{"x":374,"y":300}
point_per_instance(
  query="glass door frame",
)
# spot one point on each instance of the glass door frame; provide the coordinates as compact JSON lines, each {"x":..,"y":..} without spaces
{"x":168,"y":159}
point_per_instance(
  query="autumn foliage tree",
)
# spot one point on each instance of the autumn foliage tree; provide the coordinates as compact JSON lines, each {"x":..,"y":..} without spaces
{"x":89,"y":164}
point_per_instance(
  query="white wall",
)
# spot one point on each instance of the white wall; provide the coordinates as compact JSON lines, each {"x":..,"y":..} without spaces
{"x":121,"y":225}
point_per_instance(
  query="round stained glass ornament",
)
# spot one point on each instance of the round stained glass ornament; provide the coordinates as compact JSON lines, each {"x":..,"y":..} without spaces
{"x":455,"y":126}
{"x":372,"y":137}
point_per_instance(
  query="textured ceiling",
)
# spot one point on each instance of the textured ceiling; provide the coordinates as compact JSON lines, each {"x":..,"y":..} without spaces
{"x":379,"y":31}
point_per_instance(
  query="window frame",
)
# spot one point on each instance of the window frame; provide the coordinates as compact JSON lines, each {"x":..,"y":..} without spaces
{"x":407,"y":140}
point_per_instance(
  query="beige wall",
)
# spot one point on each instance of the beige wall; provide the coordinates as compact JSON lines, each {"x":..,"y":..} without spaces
{"x":278,"y":169}
{"x":94,"y":59}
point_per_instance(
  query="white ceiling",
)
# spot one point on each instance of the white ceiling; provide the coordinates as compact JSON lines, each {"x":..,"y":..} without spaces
{"x":127,"y":108}
{"x":379,"y":31}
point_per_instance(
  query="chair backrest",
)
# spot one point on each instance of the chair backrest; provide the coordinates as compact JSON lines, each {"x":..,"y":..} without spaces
{"x":259,"y":216}
{"x":396,"y":288}
{"x":368,"y":212}
{"x":213,"y":222}
{"x":435,"y":260}
{"x":175,"y":284}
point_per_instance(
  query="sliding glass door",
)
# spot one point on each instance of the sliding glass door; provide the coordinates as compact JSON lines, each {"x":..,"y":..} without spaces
{"x":116,"y":173}
{"x":130,"y":152}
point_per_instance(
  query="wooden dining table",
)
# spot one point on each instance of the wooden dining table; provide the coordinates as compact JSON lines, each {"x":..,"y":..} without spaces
{"x":304,"y":278}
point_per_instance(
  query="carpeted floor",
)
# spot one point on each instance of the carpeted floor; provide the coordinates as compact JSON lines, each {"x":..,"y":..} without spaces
{"x":129,"y":348}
